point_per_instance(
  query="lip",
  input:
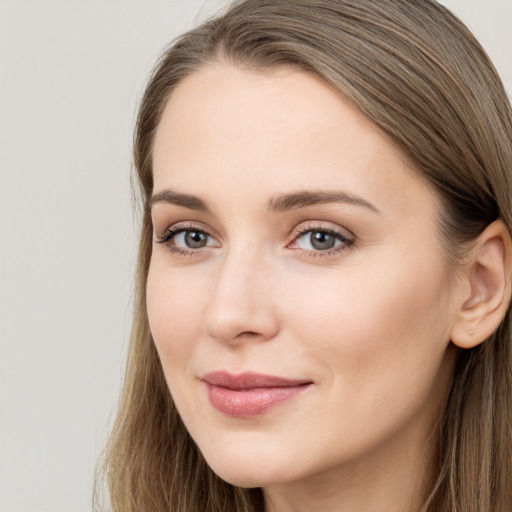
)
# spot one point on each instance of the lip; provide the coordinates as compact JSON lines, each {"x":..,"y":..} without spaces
{"x":250,"y":394}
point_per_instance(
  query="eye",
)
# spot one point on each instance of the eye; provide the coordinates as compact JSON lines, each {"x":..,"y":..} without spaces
{"x":320,"y":240}
{"x":191,"y":239}
{"x":186,"y":240}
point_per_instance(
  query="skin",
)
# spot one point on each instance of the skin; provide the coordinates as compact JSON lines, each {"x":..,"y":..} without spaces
{"x":368,"y":323}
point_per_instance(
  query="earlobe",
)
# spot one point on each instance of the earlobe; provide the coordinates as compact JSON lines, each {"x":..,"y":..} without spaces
{"x":488,"y":281}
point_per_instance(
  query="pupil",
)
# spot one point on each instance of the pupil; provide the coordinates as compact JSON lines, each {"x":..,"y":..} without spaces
{"x":322,"y":241}
{"x":195,"y":239}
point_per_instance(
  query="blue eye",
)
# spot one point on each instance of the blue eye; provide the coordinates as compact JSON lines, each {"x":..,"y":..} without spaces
{"x":318,"y":240}
{"x":321,"y":240}
{"x":186,"y":240}
{"x":191,"y":239}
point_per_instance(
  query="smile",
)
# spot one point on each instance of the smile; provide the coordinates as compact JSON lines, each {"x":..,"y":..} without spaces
{"x":250,"y":394}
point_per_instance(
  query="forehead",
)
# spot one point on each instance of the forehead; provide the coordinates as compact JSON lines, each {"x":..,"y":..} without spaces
{"x":231,"y":129}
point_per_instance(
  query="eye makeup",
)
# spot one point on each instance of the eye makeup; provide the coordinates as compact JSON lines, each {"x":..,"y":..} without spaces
{"x":312,"y":240}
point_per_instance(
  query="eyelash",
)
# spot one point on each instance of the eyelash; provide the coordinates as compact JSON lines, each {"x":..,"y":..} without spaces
{"x":347,"y":242}
{"x":167,"y":238}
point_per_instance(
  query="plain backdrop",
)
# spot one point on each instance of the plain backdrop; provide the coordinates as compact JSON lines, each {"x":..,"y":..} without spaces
{"x":71,"y":73}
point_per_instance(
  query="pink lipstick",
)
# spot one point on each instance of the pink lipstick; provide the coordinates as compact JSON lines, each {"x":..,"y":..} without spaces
{"x":250,"y":394}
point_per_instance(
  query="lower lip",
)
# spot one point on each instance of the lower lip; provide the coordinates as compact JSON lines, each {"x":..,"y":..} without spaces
{"x":251,"y":402}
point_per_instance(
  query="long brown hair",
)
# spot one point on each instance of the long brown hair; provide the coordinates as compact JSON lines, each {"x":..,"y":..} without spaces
{"x":417,"y":72}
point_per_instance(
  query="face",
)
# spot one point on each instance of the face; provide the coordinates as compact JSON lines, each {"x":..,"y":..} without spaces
{"x":297,"y":292}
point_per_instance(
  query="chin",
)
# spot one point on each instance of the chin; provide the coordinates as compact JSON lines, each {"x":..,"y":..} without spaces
{"x":249,"y":471}
{"x":247,"y":477}
{"x":244,"y":481}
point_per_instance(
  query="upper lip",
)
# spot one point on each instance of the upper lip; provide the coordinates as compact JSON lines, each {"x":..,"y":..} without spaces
{"x":250,"y":380}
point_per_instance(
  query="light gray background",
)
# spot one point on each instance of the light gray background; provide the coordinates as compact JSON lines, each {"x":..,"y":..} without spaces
{"x":71,"y":74}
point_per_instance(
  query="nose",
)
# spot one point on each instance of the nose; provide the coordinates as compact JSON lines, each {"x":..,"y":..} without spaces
{"x":241,"y":308}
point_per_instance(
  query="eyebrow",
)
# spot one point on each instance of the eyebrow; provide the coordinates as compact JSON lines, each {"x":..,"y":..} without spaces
{"x":279,"y":203}
{"x":295,"y":200}
{"x":171,"y":197}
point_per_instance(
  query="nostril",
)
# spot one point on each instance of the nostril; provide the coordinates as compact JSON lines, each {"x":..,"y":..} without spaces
{"x":236,"y":317}
{"x":249,"y":334}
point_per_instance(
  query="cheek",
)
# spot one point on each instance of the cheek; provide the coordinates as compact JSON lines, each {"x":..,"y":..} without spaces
{"x":373,"y":319}
{"x":380,"y":341}
{"x":175,"y":308}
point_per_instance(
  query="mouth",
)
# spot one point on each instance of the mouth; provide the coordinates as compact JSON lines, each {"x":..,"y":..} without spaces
{"x":251,"y":394}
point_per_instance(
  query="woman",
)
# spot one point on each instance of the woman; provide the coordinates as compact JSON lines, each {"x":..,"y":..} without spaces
{"x":323,"y":302}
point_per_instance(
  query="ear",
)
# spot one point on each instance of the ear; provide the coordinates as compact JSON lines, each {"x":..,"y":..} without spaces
{"x":487,"y":287}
